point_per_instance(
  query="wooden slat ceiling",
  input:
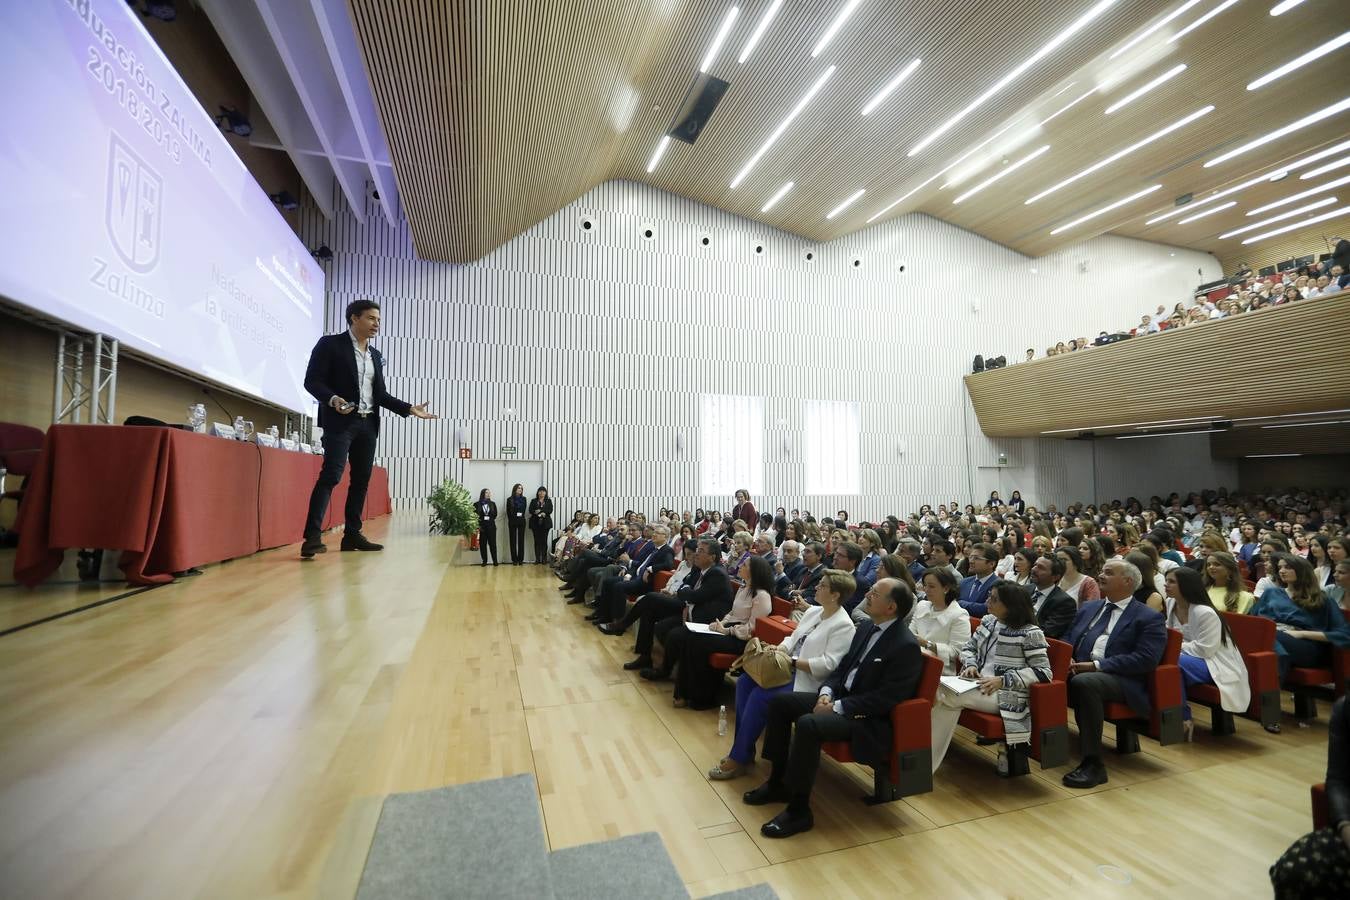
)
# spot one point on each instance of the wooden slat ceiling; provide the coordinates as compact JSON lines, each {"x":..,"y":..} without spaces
{"x":499,"y":112}
{"x":1270,"y":363}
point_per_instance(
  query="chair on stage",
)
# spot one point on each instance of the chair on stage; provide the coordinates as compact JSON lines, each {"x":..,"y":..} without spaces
{"x":20,"y":446}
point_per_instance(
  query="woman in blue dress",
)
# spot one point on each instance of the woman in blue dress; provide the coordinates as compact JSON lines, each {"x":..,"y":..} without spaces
{"x":1307,"y":623}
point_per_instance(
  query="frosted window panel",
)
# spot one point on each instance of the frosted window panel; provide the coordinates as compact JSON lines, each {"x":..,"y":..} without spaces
{"x":831,"y":453}
{"x":731,"y":444}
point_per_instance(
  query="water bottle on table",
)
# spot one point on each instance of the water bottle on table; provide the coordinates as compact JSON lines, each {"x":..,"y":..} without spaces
{"x":239,"y":428}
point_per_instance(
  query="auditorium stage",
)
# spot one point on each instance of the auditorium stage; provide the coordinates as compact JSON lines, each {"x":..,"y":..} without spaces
{"x":233,"y":735}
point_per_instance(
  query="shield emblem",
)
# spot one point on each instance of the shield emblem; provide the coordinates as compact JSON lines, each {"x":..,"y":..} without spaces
{"x":134,"y":207}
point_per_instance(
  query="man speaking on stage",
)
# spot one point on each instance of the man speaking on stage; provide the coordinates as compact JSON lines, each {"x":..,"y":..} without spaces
{"x":346,"y":376}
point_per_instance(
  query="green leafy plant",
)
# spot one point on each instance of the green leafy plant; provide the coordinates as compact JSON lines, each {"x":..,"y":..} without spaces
{"x":451,"y":510}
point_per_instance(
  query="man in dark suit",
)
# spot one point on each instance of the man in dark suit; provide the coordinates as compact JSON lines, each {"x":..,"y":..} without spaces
{"x":813,"y":569}
{"x":613,"y":593}
{"x":788,"y":570}
{"x":1055,"y":610}
{"x":1340,"y":255}
{"x":577,"y":581}
{"x":703,"y":599}
{"x":882,"y":668}
{"x":346,"y":375}
{"x":1117,"y":642}
{"x":975,"y":588}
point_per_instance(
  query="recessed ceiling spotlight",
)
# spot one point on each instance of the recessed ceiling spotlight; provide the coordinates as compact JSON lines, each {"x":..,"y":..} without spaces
{"x":1119,"y":154}
{"x":758,"y":33}
{"x":1152,"y":29}
{"x":838,"y":23}
{"x":847,"y":203}
{"x":783,"y":126}
{"x":1279,"y":176}
{"x":1106,"y":209}
{"x":1078,"y":25}
{"x":1209,"y":212}
{"x":1299,"y":62}
{"x":1141,"y":91}
{"x":778,"y":195}
{"x":1335,"y":213}
{"x":894,"y":83}
{"x":1325,"y":201}
{"x":716,"y":46}
{"x":1200,"y":21}
{"x":1002,"y":172}
{"x":1310,"y":119}
{"x":1299,"y":196}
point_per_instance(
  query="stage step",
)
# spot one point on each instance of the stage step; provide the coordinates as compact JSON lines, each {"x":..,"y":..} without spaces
{"x":636,"y":865}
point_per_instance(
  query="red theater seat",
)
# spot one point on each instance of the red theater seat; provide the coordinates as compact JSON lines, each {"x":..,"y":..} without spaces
{"x":911,"y":766}
{"x":1165,"y":699}
{"x":1254,"y":637}
{"x":1049,"y":717}
{"x":659,"y":581}
{"x":1310,"y":684}
{"x":767,"y":630}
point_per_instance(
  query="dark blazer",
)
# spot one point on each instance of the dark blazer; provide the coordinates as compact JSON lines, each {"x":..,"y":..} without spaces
{"x":710,"y":599}
{"x":975,"y":596}
{"x":332,"y":373}
{"x":541,"y":513}
{"x":888,"y":675}
{"x":1340,"y":256}
{"x":489,"y":517}
{"x":662,"y":559}
{"x":1133,"y":651}
{"x":810,"y":579}
{"x":515,"y":510}
{"x":1058,"y":611}
{"x":788,"y":580}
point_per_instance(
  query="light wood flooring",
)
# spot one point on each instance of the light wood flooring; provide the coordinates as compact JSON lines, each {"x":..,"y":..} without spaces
{"x":233,"y":735}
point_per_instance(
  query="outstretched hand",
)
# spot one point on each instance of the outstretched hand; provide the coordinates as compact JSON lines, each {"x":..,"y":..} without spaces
{"x":420,"y":410}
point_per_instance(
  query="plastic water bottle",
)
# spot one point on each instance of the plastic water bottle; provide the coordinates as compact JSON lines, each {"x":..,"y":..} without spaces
{"x":238,"y":428}
{"x":722,"y":721}
{"x":201,"y":418}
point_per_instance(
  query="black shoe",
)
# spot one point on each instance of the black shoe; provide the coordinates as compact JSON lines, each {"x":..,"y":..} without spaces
{"x":592,"y":617}
{"x":615,"y":628}
{"x":768,"y":792}
{"x":311,"y":547}
{"x":642,"y":662}
{"x":654,"y":674}
{"x":355,"y":540}
{"x":1089,"y":774}
{"x":482,"y":565}
{"x":986,"y":742}
{"x":787,"y":823}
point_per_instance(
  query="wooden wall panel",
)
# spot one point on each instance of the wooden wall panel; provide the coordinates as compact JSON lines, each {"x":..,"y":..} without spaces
{"x":1281,"y":360}
{"x":1309,"y":440}
{"x":1310,"y":472}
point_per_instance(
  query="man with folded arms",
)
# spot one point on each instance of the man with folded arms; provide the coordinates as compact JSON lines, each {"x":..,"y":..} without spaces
{"x":1117,"y":643}
{"x":881,"y":669}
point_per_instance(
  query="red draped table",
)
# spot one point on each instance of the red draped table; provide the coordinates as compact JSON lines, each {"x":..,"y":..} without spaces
{"x":168,"y":498}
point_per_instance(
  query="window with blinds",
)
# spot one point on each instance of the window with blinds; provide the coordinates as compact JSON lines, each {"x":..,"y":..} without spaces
{"x":831,"y":454}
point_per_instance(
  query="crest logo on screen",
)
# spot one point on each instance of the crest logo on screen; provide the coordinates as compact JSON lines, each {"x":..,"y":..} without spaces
{"x":134,"y":206}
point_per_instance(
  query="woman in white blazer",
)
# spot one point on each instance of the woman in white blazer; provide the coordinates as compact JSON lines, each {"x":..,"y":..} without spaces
{"x":823,"y":636}
{"x":1209,"y":654}
{"x":941,"y":625}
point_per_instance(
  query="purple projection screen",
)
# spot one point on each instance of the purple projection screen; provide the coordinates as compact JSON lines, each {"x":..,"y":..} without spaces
{"x":126,"y":212}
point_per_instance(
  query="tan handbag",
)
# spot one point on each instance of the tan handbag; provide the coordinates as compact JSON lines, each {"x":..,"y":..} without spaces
{"x":767,"y":664}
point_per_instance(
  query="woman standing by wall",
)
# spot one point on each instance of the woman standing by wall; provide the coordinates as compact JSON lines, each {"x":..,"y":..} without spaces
{"x":541,"y":523}
{"x":487,"y":525}
{"x":515,"y":523}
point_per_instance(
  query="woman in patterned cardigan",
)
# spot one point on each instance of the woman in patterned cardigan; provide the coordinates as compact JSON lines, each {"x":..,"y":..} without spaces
{"x":1004,"y":657}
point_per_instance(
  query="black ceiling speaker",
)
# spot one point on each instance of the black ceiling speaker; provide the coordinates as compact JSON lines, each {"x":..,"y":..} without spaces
{"x":697,"y":107}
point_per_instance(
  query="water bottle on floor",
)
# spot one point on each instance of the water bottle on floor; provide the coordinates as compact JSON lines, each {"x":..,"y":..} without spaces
{"x":722,"y":721}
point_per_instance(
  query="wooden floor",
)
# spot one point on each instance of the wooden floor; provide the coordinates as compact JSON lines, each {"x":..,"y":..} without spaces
{"x":234,"y":734}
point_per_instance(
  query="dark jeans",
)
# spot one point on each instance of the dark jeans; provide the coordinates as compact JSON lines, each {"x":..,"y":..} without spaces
{"x":516,"y":535}
{"x":357,"y":444}
{"x":795,"y":751}
{"x":1088,"y":695}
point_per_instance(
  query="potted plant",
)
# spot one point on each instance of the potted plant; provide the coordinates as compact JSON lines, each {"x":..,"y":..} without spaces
{"x":451,"y":510}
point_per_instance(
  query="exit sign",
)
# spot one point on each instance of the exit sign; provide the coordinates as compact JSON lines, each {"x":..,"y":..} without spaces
{"x":465,"y":453}
{"x":508,"y":451}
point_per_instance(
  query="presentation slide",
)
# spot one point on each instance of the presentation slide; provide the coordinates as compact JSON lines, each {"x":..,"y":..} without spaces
{"x":126,"y":212}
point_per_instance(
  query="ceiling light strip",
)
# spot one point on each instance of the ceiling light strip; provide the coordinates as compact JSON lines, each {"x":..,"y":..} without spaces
{"x":1269,"y":176}
{"x":660,"y":151}
{"x":1141,"y":91}
{"x":778,"y":195}
{"x":1200,"y":21}
{"x":758,"y":33}
{"x":1119,"y":154}
{"x":1299,"y":62}
{"x":1106,"y":209}
{"x":1335,"y":213}
{"x":1329,"y":167}
{"x":1325,"y":201}
{"x":1320,"y":154}
{"x":716,"y":46}
{"x":783,"y":126}
{"x":1008,"y":170}
{"x":1278,"y":133}
{"x":837,"y":24}
{"x":1300,"y":195}
{"x":847,"y":203}
{"x":1078,"y":25}
{"x":1152,"y":29}
{"x":1132,"y":437}
{"x":1283,"y":7}
{"x":943,"y":171}
{"x":1209,"y":212}
{"x":895,"y":82}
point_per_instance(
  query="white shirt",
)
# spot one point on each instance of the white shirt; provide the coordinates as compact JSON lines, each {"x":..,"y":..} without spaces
{"x":862,"y":657}
{"x":1099,"y":647}
{"x":948,"y":630}
{"x":365,"y":377}
{"x":822,"y":642}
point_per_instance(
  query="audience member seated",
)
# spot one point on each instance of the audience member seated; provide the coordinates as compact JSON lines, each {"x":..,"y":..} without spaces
{"x":1055,"y":610}
{"x":1307,"y":624}
{"x":1147,"y":593}
{"x":847,"y":556}
{"x":1340,"y":593}
{"x":881,"y":669}
{"x":615,"y":591}
{"x":1117,"y":642}
{"x":813,"y":569}
{"x":976,"y":587}
{"x":870,"y":564}
{"x":1209,"y":655}
{"x":824,"y":634}
{"x":1005,"y":656}
{"x":1223,"y":583}
{"x":1080,"y":587}
{"x":940,"y":624}
{"x":687,"y":651}
{"x":703,"y":597}
{"x":788,"y":568}
{"x":1318,"y":864}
